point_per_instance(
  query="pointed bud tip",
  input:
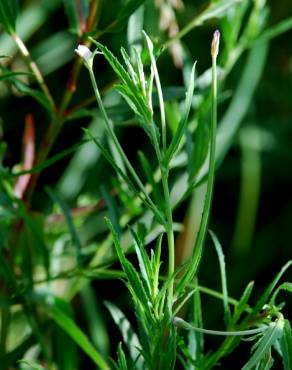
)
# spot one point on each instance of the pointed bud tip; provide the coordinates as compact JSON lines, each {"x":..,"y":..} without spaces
{"x":215,"y":44}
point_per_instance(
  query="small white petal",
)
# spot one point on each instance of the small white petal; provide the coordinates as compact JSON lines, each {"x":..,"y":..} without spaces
{"x":84,"y":52}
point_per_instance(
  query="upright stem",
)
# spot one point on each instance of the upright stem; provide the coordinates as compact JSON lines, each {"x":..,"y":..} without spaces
{"x":210,"y":180}
{"x":169,"y":223}
{"x":198,"y":248}
{"x":170,"y":239}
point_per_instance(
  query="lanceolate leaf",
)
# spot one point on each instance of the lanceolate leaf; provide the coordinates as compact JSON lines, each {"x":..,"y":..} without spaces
{"x":140,"y":294}
{"x":269,"y":338}
{"x":221,"y":258}
{"x":286,"y":346}
{"x":8,"y":14}
{"x":10,"y":75}
{"x":132,"y":92}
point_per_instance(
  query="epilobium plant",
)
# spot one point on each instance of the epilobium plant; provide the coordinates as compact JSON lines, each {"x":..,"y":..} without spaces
{"x":157,"y":301}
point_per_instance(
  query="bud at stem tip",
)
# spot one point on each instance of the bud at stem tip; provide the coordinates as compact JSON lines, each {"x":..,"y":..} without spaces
{"x":215,"y":44}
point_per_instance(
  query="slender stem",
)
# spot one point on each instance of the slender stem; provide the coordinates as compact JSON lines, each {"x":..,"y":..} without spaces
{"x":34,"y":68}
{"x":170,"y":237}
{"x":169,"y":221}
{"x":211,"y":172}
{"x":198,"y":248}
{"x":180,"y":323}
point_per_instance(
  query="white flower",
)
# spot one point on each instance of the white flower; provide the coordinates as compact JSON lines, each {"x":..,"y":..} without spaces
{"x":84,"y":53}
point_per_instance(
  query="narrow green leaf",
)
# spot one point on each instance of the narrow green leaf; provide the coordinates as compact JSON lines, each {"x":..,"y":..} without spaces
{"x":227,"y":314}
{"x":285,"y":286}
{"x":68,"y":325}
{"x":123,"y":16}
{"x":122,"y":361}
{"x":144,"y":261}
{"x":8,"y":15}
{"x":270,"y":337}
{"x":134,"y":282}
{"x":241,"y":306}
{"x":118,"y":68}
{"x":31,"y":365}
{"x":266,"y":362}
{"x":130,"y":68}
{"x":265,"y":296}
{"x":50,"y":161}
{"x":130,"y":338}
{"x":68,"y":217}
{"x":286,"y":346}
{"x":95,"y":319}
{"x":183,"y":123}
{"x":276,"y":30}
{"x":154,"y":69}
{"x":10,"y":75}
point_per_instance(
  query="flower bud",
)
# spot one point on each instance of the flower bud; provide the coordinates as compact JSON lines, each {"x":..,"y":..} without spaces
{"x":84,"y":53}
{"x":215,"y":44}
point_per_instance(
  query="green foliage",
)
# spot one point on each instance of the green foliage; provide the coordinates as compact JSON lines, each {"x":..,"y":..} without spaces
{"x":122,"y":189}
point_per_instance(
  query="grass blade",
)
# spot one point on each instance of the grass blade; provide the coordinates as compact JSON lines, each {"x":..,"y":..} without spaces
{"x":68,"y":325}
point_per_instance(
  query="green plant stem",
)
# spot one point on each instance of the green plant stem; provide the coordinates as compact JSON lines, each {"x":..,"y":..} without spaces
{"x":211,"y":172}
{"x":34,"y":68}
{"x":170,"y":238}
{"x":180,"y":323}
{"x":169,"y":221}
{"x":198,"y":248}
